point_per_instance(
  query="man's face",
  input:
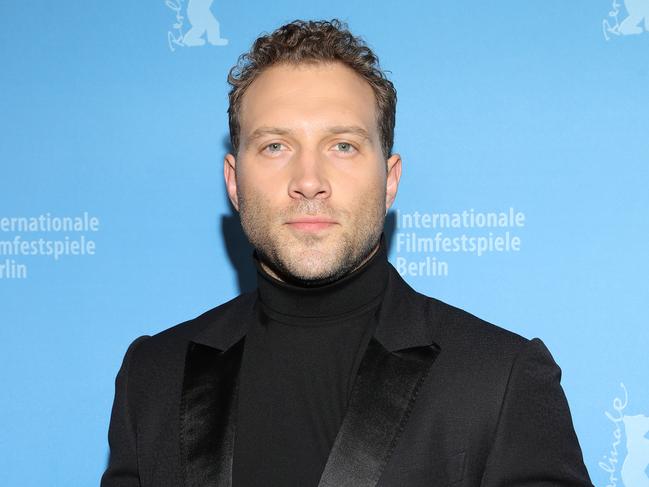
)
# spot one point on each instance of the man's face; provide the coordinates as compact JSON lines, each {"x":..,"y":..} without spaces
{"x":310,"y":181}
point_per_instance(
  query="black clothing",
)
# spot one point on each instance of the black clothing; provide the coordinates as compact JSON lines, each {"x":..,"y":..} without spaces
{"x":441,"y":398}
{"x":299,"y":362}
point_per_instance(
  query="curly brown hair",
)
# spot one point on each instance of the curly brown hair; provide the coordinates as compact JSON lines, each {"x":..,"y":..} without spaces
{"x":313,"y":42}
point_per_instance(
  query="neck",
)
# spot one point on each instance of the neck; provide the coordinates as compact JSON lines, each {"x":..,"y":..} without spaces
{"x":348,"y":294}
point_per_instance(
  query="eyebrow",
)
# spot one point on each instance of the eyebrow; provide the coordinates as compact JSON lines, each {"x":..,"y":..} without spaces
{"x":336,"y":129}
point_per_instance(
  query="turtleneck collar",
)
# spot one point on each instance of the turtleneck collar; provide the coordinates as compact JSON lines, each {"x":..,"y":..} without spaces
{"x":355,"y":292}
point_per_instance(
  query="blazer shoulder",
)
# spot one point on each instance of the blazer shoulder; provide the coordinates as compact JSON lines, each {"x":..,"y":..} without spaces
{"x":451,"y":326}
{"x":462,"y":325}
{"x":175,"y":339}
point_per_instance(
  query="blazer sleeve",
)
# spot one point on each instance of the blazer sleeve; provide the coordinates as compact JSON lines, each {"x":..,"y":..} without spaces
{"x":122,"y":468}
{"x":535,"y":442}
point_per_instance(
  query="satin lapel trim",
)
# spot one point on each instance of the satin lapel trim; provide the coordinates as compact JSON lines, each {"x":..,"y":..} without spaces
{"x":382,"y":397}
{"x":207,"y":414}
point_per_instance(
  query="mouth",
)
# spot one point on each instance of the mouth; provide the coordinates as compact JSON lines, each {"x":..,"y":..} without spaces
{"x":311,"y":224}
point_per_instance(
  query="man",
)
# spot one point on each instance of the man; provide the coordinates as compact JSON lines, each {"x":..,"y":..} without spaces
{"x":334,"y":372}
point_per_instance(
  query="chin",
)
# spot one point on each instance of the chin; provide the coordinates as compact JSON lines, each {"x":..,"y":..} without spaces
{"x":312,"y":265}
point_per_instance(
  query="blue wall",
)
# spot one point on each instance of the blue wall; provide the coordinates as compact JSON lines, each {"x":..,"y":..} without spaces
{"x":529,"y":106}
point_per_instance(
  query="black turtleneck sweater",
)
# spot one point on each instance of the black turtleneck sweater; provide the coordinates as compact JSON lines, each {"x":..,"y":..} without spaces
{"x":299,"y":363}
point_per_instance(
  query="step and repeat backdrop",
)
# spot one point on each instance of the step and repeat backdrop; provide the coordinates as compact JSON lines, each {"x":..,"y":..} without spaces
{"x":524,"y":130}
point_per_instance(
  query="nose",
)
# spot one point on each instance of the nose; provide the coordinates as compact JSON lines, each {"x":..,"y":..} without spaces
{"x":308,"y":177}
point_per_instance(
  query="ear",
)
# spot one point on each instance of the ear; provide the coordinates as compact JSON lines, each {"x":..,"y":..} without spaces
{"x":392,"y":182}
{"x":230,"y":175}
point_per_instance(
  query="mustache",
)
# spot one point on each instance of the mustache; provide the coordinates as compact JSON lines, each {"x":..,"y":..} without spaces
{"x":310,"y":208}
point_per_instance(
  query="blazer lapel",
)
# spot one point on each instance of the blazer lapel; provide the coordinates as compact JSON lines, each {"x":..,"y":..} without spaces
{"x":383,"y":395}
{"x":209,"y":397}
{"x":206,"y":414}
{"x":393,"y":368}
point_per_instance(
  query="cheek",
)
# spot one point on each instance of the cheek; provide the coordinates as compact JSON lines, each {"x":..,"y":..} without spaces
{"x":257,"y":187}
{"x":361,"y":185}
{"x":362,"y":199}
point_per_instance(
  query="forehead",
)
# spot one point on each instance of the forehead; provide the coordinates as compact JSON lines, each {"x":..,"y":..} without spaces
{"x":307,"y":96}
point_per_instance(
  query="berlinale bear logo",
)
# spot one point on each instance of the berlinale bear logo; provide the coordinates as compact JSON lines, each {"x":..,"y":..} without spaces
{"x":631,"y":469}
{"x":637,"y":447}
{"x":203,"y":25}
{"x":637,"y":16}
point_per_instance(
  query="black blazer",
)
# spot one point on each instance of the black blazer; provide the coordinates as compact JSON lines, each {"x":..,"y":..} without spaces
{"x":441,"y":398}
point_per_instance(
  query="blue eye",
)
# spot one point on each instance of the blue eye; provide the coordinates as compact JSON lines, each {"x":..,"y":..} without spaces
{"x":274,"y":147}
{"x":345,"y":147}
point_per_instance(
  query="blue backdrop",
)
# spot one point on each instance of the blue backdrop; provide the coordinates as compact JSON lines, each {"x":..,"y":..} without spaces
{"x":113,"y":210}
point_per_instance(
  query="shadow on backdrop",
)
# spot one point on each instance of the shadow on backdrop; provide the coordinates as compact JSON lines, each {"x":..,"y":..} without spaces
{"x":237,"y":246}
{"x":240,"y":251}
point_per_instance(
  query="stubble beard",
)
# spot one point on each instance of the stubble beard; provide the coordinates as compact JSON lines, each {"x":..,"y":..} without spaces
{"x":312,"y":259}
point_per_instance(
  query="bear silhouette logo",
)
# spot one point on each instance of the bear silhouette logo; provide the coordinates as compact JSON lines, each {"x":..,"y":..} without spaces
{"x":636,"y":21}
{"x":638,"y":11}
{"x":634,"y":468}
{"x":203,"y":23}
